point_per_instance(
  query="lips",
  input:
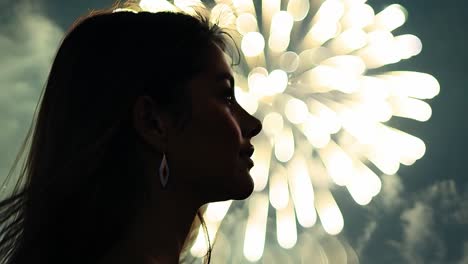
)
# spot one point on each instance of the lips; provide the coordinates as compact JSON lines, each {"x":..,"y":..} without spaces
{"x":248,"y":161}
{"x":247,"y":151}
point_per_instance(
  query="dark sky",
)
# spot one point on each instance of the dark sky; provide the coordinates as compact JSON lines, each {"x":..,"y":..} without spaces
{"x":441,"y":27}
{"x":436,"y":186}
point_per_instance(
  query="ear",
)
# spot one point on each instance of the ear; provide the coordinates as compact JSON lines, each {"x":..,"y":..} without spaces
{"x":150,"y":124}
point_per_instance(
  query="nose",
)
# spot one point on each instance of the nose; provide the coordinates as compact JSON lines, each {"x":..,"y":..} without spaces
{"x":252,"y":126}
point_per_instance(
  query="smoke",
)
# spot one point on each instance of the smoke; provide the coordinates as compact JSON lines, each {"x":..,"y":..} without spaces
{"x":28,"y":42}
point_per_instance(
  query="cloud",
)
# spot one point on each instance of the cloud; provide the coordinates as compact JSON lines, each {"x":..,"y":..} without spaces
{"x":391,"y":195}
{"x":28,"y":42}
{"x":431,"y":212}
{"x":419,"y":236}
{"x":464,"y":258}
{"x":363,"y":240}
{"x":451,"y":205}
{"x":417,"y":223}
{"x":461,"y":213}
{"x":431,"y":227}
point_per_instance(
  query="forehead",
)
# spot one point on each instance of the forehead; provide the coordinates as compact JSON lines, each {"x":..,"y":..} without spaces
{"x":218,"y":62}
{"x":206,"y":87}
{"x":217,"y":70}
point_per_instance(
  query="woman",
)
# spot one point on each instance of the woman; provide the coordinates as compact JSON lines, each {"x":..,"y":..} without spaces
{"x":137,"y":129}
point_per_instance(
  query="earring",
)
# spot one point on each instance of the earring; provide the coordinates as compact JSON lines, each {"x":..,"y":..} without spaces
{"x":164,"y":172}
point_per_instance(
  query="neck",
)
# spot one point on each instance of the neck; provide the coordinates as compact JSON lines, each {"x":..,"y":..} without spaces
{"x":158,"y":233}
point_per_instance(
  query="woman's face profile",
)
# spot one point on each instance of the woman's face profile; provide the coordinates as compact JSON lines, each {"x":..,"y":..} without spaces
{"x":206,"y":156}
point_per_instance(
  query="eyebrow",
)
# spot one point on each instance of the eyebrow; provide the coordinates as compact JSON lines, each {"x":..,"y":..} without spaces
{"x":225,"y":76}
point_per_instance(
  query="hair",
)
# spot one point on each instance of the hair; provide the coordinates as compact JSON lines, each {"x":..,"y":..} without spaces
{"x":73,"y":198}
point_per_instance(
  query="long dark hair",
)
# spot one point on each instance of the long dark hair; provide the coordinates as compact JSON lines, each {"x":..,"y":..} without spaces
{"x":73,"y":198}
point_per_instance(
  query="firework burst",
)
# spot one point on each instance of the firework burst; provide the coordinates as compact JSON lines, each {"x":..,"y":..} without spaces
{"x":312,"y":72}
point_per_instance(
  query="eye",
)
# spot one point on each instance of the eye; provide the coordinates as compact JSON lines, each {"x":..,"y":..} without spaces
{"x":229,"y":96}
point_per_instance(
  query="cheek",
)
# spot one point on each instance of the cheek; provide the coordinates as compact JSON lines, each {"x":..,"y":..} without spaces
{"x":219,"y":137}
{"x":225,"y":132}
{"x":207,"y":154}
{"x":229,"y":128}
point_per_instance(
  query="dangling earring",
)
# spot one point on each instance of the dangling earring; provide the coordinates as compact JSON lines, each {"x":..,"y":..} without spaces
{"x":164,"y":172}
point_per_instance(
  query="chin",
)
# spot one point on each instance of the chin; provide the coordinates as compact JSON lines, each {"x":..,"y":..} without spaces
{"x":246,"y":192}
{"x":242,"y":190}
{"x":239,"y":190}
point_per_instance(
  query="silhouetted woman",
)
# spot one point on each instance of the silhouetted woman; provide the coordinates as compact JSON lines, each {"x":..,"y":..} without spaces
{"x":137,"y":128}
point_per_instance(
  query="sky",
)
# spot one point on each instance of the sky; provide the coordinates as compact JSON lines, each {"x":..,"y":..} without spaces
{"x":421,"y":214}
